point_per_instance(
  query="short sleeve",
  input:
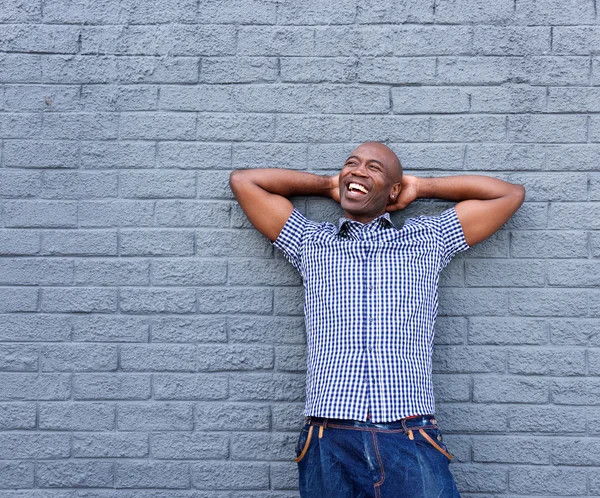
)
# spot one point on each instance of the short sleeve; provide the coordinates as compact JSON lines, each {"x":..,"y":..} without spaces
{"x":452,"y":237}
{"x":292,"y":237}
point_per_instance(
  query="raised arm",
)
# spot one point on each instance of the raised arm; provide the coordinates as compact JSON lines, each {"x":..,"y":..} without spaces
{"x":485,"y":203}
{"x":263,"y":194}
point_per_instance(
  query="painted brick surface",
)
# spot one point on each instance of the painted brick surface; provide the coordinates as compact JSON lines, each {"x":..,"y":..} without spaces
{"x":152,"y":342}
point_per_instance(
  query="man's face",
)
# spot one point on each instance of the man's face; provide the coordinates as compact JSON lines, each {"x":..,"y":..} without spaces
{"x":369,"y":180}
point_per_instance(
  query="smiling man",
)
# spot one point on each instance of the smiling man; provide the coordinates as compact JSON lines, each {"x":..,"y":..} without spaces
{"x":371,"y":300}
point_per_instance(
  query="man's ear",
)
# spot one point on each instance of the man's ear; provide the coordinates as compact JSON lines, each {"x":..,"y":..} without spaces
{"x":396,"y":189}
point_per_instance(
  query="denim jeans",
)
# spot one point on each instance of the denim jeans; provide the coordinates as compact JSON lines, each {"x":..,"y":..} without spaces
{"x":353,"y":459}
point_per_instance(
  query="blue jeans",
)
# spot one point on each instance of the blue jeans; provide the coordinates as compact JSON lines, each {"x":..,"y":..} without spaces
{"x":353,"y":459}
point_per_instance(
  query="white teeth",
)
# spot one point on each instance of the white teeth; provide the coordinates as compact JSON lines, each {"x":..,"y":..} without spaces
{"x":356,"y":186}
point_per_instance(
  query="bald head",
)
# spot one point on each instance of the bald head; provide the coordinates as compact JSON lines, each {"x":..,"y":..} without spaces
{"x":388,"y":155}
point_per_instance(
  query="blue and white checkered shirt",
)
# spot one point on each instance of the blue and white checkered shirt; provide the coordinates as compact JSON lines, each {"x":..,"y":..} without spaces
{"x":371,"y":300}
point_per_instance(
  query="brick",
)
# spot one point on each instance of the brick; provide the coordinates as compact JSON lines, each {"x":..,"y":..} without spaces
{"x":262,"y":272}
{"x":118,"y":445}
{"x":136,"y":300}
{"x":20,"y":184}
{"x":315,"y":12}
{"x":111,"y":386}
{"x":450,"y":330}
{"x":452,"y":70}
{"x":289,"y":301}
{"x":429,"y":156}
{"x":78,"y":357}
{"x":468,"y":129}
{"x":292,"y":156}
{"x":36,"y":98}
{"x":232,"y":416}
{"x":290,"y":358}
{"x":149,"y":357}
{"x":155,"y":417}
{"x":487,"y":302}
{"x":16,"y":11}
{"x":548,"y":302}
{"x":550,"y":244}
{"x":227,"y":300}
{"x":188,"y":272}
{"x":38,"y":38}
{"x":268,"y":387}
{"x":464,"y":11}
{"x":551,"y":70}
{"x":82,"y":300}
{"x":21,"y":125}
{"x":573,"y":273}
{"x":267,"y":330}
{"x":235,"y":127}
{"x":451,"y":388}
{"x":318,"y":69}
{"x":390,"y":128}
{"x":198,"y":446}
{"x":115,"y":213}
{"x":19,"y":242}
{"x":480,"y":478}
{"x":90,"y":474}
{"x":395,"y":11}
{"x":234,"y":358}
{"x":80,"y":242}
{"x":17,"y":416}
{"x":507,"y":331}
{"x":510,"y":390}
{"x":461,"y":417}
{"x":531,"y":128}
{"x":547,"y":480}
{"x":35,"y":271}
{"x":85,"y":126}
{"x":279,"y":40}
{"x":468,"y":359}
{"x":238,"y":69}
{"x":410,"y":40}
{"x":159,"y":125}
{"x":576,"y":332}
{"x":575,"y":99}
{"x":575,"y":40}
{"x":18,"y":358}
{"x":396,"y":70}
{"x":229,"y":475}
{"x":35,"y":328}
{"x":17,"y":446}
{"x":546,"y":419}
{"x":576,"y":451}
{"x":160,"y":69}
{"x":26,"y":214}
{"x":18,"y":299}
{"x":157,"y":11}
{"x":97,"y":328}
{"x":77,"y":416}
{"x":594,"y":187}
{"x":511,"y":40}
{"x":263,"y":446}
{"x":214,"y":185}
{"x":361,"y":41}
{"x":189,"y":329}
{"x":567,"y":215}
{"x":193,"y":155}
{"x":189,"y":387}
{"x":41,"y":154}
{"x":284,"y":475}
{"x":595,"y":244}
{"x":156,"y":242}
{"x":593,"y":362}
{"x":555,"y":12}
{"x":237,"y":11}
{"x":61,"y":11}
{"x":112,"y":272}
{"x":20,"y":68}
{"x":504,"y":449}
{"x":117,"y":155}
{"x":581,"y":391}
{"x":484,"y":273}
{"x":592,"y":416}
{"x":216,"y":243}
{"x":288,"y":417}
{"x":429,"y":100}
{"x":17,"y":475}
{"x":124,"y":98}
{"x":508,"y":99}
{"x":297,"y":128}
{"x":78,"y":69}
{"x":152,"y":474}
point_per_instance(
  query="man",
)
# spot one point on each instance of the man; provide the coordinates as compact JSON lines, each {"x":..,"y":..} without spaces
{"x":371,"y":299}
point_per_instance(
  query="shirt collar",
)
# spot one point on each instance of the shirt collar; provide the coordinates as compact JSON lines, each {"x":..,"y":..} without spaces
{"x":383,"y":221}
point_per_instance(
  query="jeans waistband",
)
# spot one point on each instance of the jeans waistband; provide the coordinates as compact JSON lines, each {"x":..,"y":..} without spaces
{"x":402,"y":424}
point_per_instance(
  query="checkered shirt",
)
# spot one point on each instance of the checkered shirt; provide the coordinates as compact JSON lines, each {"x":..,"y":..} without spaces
{"x":371,"y":300}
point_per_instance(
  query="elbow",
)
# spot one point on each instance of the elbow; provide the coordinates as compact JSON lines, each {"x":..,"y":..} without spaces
{"x":519,"y":193}
{"x":236,"y":179}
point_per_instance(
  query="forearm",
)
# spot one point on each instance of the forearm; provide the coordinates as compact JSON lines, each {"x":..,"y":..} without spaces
{"x":460,"y":188}
{"x":284,"y":182}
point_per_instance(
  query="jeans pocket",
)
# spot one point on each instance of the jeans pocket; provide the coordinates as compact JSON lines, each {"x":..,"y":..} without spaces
{"x":303,"y":442}
{"x":433,"y":437}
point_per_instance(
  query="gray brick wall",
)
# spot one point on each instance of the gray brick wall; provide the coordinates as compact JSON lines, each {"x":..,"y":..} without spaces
{"x":151,"y":341}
